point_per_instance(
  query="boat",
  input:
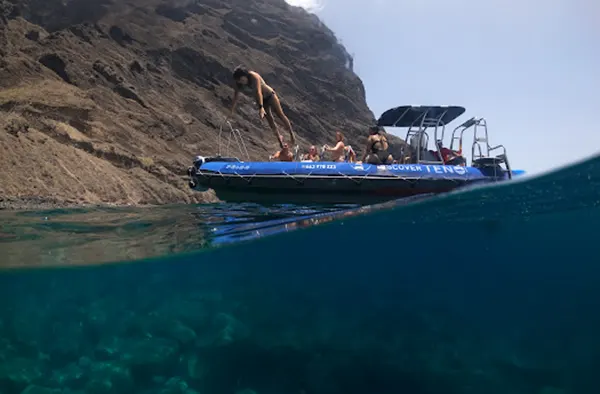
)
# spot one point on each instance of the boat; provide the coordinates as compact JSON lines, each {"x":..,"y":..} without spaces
{"x":426,"y":173}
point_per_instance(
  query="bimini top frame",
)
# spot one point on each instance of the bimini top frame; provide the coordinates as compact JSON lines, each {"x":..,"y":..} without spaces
{"x":418,"y":119}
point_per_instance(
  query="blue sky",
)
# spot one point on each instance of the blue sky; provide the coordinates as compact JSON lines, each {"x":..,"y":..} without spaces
{"x":532,"y":69}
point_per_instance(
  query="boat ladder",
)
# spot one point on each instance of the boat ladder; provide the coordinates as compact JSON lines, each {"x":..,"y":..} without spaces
{"x":233,"y":135}
{"x":481,"y":150}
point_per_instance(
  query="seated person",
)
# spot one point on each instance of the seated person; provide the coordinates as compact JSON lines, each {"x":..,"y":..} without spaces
{"x":312,"y":154}
{"x":283,"y":155}
{"x":337,"y":152}
{"x":451,"y":157}
{"x":376,"y":151}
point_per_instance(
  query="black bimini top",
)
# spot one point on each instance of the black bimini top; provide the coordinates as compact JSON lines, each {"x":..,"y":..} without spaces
{"x":411,"y":115}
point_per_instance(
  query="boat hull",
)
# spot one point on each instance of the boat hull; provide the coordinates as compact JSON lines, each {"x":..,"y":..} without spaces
{"x":337,"y":183}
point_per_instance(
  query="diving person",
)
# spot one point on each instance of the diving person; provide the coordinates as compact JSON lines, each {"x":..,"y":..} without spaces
{"x":253,"y":85}
{"x":376,"y":151}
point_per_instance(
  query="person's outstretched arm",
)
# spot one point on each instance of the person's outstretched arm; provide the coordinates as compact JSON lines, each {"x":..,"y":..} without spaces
{"x":336,"y":148}
{"x":339,"y":147}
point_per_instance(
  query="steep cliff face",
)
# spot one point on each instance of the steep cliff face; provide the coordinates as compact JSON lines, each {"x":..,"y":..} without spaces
{"x":106,"y":101}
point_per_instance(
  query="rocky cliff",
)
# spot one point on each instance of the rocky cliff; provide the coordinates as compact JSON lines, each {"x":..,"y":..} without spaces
{"x":106,"y":101}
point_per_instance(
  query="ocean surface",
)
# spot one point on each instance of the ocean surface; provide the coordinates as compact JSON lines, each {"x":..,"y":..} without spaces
{"x":494,"y":290}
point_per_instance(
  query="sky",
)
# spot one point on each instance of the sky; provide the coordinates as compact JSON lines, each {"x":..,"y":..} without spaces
{"x":531,"y":69}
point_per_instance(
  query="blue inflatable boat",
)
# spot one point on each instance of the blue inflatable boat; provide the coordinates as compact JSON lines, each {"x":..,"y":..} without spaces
{"x":358,"y":183}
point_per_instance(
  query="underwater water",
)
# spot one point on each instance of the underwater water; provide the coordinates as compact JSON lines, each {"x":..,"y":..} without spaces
{"x":494,"y":290}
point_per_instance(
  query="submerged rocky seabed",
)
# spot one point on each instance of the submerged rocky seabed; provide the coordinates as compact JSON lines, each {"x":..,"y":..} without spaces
{"x":172,"y":328}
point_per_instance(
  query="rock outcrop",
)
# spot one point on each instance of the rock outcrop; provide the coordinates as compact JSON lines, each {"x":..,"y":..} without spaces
{"x":105,"y":101}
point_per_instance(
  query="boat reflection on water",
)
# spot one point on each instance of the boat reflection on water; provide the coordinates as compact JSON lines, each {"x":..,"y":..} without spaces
{"x":83,"y":237}
{"x":255,"y":230}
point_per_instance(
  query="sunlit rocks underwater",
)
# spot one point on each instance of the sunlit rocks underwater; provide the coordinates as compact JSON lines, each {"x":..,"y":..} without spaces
{"x":491,"y":291}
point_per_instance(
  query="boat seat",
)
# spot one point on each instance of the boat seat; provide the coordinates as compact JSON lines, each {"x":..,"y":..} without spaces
{"x":488,"y":161}
{"x":429,"y":156}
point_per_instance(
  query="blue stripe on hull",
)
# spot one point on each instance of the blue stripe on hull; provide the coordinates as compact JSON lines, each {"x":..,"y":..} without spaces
{"x":333,"y":182}
{"x":345,"y":169}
